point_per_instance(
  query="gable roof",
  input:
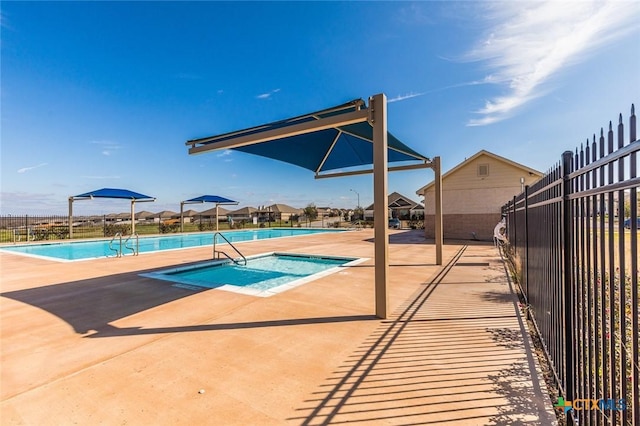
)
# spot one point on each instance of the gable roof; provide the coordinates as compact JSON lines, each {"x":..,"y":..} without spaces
{"x":282,"y":208}
{"x":244,"y":210}
{"x":212,"y":212}
{"x":395,"y":199}
{"x":476,"y":156}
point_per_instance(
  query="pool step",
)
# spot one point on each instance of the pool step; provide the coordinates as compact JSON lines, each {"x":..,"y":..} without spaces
{"x":187,"y":286}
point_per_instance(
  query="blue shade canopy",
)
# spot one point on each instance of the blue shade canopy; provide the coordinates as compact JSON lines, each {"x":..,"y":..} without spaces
{"x":329,"y":149}
{"x":211,"y":199}
{"x":114,"y":193}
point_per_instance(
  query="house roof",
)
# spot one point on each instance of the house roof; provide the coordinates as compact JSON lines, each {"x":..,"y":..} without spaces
{"x":397,"y":200}
{"x":244,"y":210}
{"x":190,"y":213}
{"x":476,"y":156}
{"x":212,"y":212}
{"x":282,"y":208}
{"x":165,"y":214}
{"x":143,"y":214}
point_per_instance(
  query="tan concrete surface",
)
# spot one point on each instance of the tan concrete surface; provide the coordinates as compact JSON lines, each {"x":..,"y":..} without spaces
{"x":92,"y":342}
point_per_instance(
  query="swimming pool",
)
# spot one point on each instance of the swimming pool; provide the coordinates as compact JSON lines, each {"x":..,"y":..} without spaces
{"x":83,"y":250}
{"x":263,"y":275}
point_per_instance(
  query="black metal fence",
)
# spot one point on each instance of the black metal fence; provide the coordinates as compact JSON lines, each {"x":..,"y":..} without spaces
{"x":26,"y":228}
{"x":23,"y":228}
{"x":573,"y":238}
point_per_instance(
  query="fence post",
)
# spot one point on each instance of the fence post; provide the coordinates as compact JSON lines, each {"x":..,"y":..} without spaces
{"x":567,"y":235}
{"x":525,"y":272}
{"x":515,"y":226}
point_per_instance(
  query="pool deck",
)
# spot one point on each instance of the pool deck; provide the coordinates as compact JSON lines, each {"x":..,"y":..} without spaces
{"x":93,"y":342}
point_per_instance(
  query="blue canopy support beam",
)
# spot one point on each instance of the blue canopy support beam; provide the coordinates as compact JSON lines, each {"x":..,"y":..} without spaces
{"x":200,"y":146}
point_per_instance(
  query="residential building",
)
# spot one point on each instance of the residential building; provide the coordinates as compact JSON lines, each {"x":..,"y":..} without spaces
{"x":473,"y":193}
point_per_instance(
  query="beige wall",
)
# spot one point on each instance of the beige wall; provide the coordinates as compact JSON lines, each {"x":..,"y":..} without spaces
{"x":463,"y":226}
{"x":465,"y":192}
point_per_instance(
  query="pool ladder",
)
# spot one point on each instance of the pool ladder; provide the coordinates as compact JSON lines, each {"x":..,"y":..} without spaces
{"x":217,"y":253}
{"x":125,"y":244}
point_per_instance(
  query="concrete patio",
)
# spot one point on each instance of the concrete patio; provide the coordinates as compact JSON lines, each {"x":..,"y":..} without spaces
{"x":92,"y":342}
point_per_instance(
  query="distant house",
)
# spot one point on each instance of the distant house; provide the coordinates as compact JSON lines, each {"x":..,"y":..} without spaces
{"x":245,"y":213}
{"x":280,"y":212}
{"x":210,"y":214}
{"x":400,"y":207}
{"x":472,"y":194}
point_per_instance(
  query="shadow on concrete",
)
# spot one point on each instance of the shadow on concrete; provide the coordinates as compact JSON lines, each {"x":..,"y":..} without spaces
{"x":440,"y":361}
{"x":92,"y":304}
{"x":89,"y":306}
{"x":111,"y":331}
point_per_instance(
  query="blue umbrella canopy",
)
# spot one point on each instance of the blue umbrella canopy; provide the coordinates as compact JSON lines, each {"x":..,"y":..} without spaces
{"x":114,"y":193}
{"x":211,"y":199}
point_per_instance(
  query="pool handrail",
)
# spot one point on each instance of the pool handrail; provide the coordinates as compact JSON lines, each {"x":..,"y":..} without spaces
{"x":217,"y":252}
{"x":135,"y":249}
{"x":119,"y":249}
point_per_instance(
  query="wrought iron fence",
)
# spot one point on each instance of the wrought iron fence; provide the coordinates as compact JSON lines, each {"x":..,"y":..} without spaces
{"x":573,"y":238}
{"x":26,"y":228}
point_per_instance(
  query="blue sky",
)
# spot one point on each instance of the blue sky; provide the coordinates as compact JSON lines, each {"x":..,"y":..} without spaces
{"x":105,"y":94}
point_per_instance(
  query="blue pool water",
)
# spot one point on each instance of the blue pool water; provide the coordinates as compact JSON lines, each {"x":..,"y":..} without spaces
{"x":263,"y":275}
{"x":79,"y":250}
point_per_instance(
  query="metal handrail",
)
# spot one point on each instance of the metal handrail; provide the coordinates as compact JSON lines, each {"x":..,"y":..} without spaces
{"x":228,"y":242}
{"x":135,"y":249}
{"x":119,"y":249}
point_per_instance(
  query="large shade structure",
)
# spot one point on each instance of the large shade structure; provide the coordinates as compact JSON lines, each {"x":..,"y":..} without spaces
{"x":340,"y":141}
{"x":205,"y":199}
{"x":124,"y":194}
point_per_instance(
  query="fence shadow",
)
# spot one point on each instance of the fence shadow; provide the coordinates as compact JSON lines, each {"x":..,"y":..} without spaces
{"x":441,"y":360}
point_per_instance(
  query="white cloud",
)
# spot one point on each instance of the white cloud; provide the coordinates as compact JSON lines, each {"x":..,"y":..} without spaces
{"x":224,"y":153}
{"x":532,"y":42}
{"x":403,"y":97}
{"x":107,"y":147}
{"x":268,"y":94}
{"x":29,"y":168}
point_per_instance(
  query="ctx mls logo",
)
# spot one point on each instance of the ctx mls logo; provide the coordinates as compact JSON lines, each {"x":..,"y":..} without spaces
{"x":591,"y":404}
{"x":565,"y":405}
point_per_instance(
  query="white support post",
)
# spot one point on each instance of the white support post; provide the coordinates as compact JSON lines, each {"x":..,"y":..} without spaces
{"x":70,"y":218}
{"x":378,"y":114}
{"x":438,"y":213}
{"x":182,"y":216}
{"x":133,"y":217}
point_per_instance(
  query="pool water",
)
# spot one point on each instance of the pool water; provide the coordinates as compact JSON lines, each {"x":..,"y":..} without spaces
{"x":82,"y":250}
{"x":263,"y":275}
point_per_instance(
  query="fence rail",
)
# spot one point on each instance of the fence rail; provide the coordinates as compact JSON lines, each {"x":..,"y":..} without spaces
{"x":573,"y":240}
{"x":24,"y":228}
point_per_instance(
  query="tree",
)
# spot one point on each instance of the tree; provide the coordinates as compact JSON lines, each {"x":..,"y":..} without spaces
{"x":311,"y":212}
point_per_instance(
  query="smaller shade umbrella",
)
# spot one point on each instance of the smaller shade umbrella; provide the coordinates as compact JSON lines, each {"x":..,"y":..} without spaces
{"x":110,"y":193}
{"x":204,"y":199}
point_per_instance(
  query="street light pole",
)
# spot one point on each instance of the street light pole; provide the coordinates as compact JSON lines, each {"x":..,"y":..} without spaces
{"x":358,"y":194}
